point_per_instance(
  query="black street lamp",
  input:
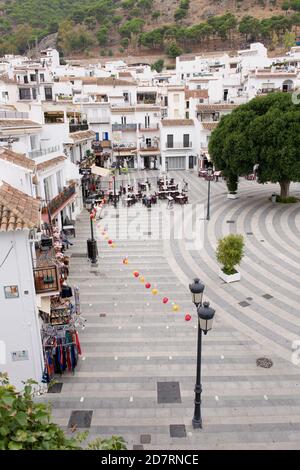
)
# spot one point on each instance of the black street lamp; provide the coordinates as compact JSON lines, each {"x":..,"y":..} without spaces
{"x":205,"y":319}
{"x":209,"y":174}
{"x":91,"y":243}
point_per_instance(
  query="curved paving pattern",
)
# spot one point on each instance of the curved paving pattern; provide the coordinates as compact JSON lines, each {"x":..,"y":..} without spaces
{"x":132,"y":341}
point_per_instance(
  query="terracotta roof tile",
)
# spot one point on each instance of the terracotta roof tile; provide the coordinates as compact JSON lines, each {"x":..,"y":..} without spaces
{"x":7,"y":123}
{"x":50,"y":163}
{"x":177,"y":122}
{"x":82,"y":135}
{"x":216,"y":106}
{"x":18,"y":210}
{"x":209,"y":126}
{"x":196,"y":94}
{"x":19,"y":159}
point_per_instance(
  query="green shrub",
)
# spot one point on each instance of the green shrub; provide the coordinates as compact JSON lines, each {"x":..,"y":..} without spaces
{"x":27,"y":425}
{"x":230,"y":251}
{"x":286,"y":200}
{"x":232,"y":183}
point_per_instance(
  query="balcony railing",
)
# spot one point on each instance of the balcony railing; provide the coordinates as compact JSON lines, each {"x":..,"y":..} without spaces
{"x":78,"y":127}
{"x":124,"y":127}
{"x":42,"y":152}
{"x":151,"y":127}
{"x":179,"y":145}
{"x":64,"y":97}
{"x":153,"y":146}
{"x":99,"y":119}
{"x":13,"y":115}
{"x":60,"y":200}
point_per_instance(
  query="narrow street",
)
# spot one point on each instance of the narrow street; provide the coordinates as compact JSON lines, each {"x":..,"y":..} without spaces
{"x":137,"y":372}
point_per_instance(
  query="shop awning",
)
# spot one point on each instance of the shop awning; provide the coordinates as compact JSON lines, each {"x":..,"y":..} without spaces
{"x":99,"y":171}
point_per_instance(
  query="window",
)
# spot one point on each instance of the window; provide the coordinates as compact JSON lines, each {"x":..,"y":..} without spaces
{"x":42,"y":77}
{"x":187,"y":105}
{"x":126,"y":97}
{"x":187,"y":115}
{"x":24,"y":94}
{"x":33,"y":142}
{"x":5,"y":95}
{"x":25,"y":79}
{"x":186,"y":140}
{"x":170,"y":141}
{"x":123,"y":120}
{"x":148,"y":142}
{"x":34,"y":94}
{"x":47,"y":189}
{"x":198,"y":87}
{"x":59,"y":181}
{"x":48,"y":93}
{"x":147,"y":121}
{"x":33,"y":77}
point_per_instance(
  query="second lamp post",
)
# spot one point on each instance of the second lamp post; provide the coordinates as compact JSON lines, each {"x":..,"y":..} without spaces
{"x":209,"y":174}
{"x":205,"y":320}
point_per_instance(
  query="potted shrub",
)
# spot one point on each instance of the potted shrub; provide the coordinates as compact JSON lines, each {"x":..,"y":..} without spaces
{"x":232,"y":185}
{"x":230,"y":251}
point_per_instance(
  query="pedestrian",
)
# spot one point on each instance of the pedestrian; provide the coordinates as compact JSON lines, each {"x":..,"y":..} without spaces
{"x":98,"y":211}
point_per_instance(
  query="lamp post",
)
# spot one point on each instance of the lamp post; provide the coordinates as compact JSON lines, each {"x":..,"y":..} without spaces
{"x":209,"y":174}
{"x":92,"y":244}
{"x":205,"y":319}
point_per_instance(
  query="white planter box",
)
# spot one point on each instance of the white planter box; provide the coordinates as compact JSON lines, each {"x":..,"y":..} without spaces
{"x":229,"y":277}
{"x":232,"y":196}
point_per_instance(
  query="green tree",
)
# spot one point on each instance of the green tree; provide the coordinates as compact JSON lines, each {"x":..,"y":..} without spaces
{"x":158,"y":65}
{"x":133,"y":26}
{"x":289,"y":40}
{"x":250,"y":27}
{"x":102,"y":36}
{"x":173,"y":50}
{"x":265,"y":131}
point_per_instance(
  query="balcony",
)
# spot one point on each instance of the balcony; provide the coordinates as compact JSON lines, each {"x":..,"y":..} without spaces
{"x":124,"y":127}
{"x":151,"y":127}
{"x":13,"y":115}
{"x":78,"y":127}
{"x":59,"y":202}
{"x":99,"y":119}
{"x":153,"y":147}
{"x":40,"y":153}
{"x":62,"y":97}
{"x":179,"y":145}
{"x":46,"y":279}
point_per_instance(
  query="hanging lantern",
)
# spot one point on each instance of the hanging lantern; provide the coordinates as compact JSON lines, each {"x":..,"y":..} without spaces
{"x":165,"y":300}
{"x":136,"y":274}
{"x":154,"y":291}
{"x":187,"y":317}
{"x":175,"y":308}
{"x":148,"y":285}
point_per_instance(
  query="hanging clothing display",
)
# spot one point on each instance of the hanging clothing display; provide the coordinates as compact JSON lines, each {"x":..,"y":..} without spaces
{"x":61,"y":352}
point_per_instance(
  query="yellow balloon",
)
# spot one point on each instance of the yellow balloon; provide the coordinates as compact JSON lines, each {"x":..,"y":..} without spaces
{"x":154,"y":291}
{"x":106,"y":237}
{"x":142,"y":279}
{"x":175,"y":308}
{"x":113,"y":245}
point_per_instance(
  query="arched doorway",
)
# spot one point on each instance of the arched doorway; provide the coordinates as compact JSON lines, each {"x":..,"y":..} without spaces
{"x":288,"y":85}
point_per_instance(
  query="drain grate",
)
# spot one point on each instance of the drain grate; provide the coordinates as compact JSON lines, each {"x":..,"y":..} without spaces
{"x":79,"y":255}
{"x":264,"y":362}
{"x":230,"y":221}
{"x":102,"y":315}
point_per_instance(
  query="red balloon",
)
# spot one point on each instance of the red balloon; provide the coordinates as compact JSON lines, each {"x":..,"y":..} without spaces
{"x":187,"y":317}
{"x":165,"y":300}
{"x":147,"y":285}
{"x":136,"y":274}
{"x":109,"y":242}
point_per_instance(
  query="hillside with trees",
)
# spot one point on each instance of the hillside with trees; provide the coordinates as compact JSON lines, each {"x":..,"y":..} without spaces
{"x":96,"y":28}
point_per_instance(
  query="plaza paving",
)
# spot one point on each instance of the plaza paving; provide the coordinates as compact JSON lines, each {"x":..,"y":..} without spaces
{"x":132,"y":341}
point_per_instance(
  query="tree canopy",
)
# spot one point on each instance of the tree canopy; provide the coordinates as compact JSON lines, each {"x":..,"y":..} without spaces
{"x":265,"y":131}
